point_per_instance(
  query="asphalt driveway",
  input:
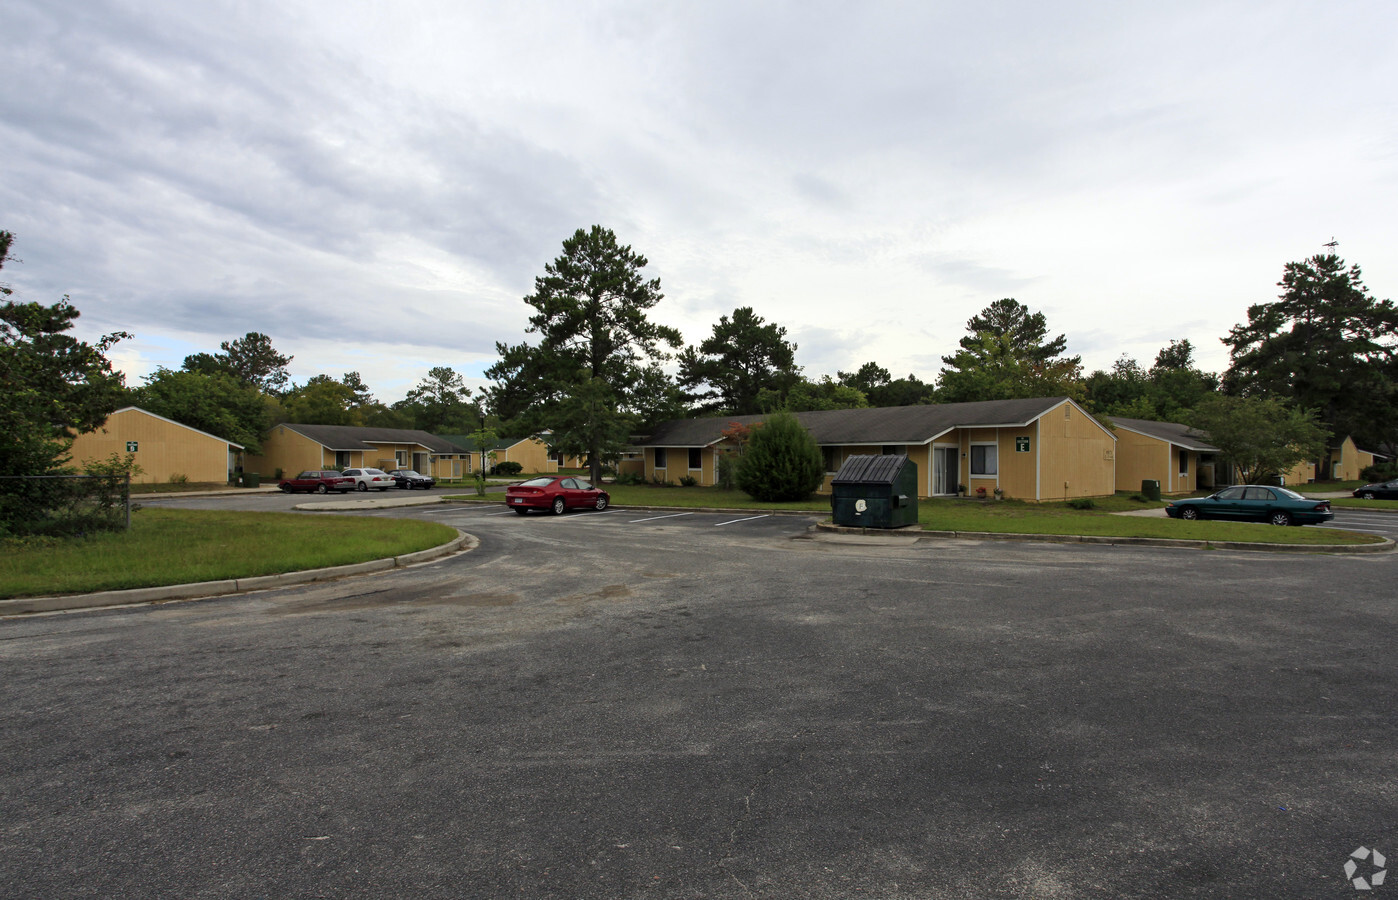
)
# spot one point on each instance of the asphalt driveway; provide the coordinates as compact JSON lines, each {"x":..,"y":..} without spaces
{"x":591,"y":707}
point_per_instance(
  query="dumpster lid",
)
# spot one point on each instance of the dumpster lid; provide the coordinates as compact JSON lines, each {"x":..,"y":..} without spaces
{"x":870,"y":470}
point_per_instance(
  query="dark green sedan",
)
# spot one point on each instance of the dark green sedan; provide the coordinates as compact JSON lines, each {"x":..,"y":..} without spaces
{"x":1253,"y":502}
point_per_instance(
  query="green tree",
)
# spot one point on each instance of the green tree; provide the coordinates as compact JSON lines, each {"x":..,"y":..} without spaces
{"x":322,"y":401}
{"x":806,"y":395}
{"x":782,"y":461}
{"x":1006,"y":355}
{"x":54,"y":385}
{"x":441,"y":403}
{"x":218,"y":404}
{"x":744,"y":356}
{"x":1326,"y":344}
{"x":251,"y":359}
{"x":1166,"y":393}
{"x":1261,"y":437}
{"x":880,"y":388}
{"x":582,"y":380}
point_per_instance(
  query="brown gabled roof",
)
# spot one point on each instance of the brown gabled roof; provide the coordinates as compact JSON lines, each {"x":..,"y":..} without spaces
{"x":1170,"y":432}
{"x":354,"y":437}
{"x":877,"y":425}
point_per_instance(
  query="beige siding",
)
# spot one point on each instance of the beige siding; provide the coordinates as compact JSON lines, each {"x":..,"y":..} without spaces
{"x":531,"y":453}
{"x":1077,"y":456}
{"x":164,"y":449}
{"x":290,"y":452}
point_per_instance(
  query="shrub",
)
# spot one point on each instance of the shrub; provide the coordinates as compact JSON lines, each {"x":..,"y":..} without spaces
{"x":630,"y":478}
{"x":728,"y":471}
{"x":1379,"y":471}
{"x":179,"y":478}
{"x":782,"y":461}
{"x":1082,"y":503}
{"x":688,"y":481}
{"x":509,"y":467}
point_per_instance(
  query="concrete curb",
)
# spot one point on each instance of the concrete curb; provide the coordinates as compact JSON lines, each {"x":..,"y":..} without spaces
{"x":462,"y":543}
{"x":1384,"y":547}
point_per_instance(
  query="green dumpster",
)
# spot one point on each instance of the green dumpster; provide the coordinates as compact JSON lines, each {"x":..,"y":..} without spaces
{"x":1151,"y":489}
{"x":249,"y":479}
{"x":875,"y":492}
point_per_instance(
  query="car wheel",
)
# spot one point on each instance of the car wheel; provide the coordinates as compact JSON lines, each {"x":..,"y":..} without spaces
{"x":361,"y":486}
{"x":559,"y":506}
{"x":322,"y":489}
{"x":1280,"y":518}
{"x":601,"y":501}
{"x":1367,"y":495}
{"x":287,"y":489}
{"x":520,"y":512}
{"x":1189,"y":513}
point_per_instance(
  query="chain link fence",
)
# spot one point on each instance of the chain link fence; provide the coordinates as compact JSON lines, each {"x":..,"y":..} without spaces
{"x":64,"y":504}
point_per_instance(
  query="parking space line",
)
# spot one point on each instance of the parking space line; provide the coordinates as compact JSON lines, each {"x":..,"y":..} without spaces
{"x":653,"y":518}
{"x":748,"y":519}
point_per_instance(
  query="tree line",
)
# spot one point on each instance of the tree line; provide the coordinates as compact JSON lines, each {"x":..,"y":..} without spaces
{"x":1316,"y":365}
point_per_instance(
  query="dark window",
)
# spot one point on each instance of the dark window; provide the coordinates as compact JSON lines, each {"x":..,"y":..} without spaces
{"x":660,"y":458}
{"x":1184,"y":462}
{"x":1233,"y":493}
{"x":1258,"y":493}
{"x":696,"y":458}
{"x":832,"y":458}
{"x":984,"y":459}
{"x":893,"y":450}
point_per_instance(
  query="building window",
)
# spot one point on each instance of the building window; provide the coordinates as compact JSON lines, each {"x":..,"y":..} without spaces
{"x":984,"y":460}
{"x":660,"y":457}
{"x":832,"y":458}
{"x":1184,"y":463}
{"x":342,"y":459}
{"x":893,"y":450}
{"x":696,"y":458}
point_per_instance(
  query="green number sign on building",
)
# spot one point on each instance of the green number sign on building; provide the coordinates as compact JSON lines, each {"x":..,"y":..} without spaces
{"x":1021,"y":445}
{"x":130,"y":446}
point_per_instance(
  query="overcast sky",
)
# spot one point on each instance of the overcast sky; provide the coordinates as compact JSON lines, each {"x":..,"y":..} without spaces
{"x":376,"y":185}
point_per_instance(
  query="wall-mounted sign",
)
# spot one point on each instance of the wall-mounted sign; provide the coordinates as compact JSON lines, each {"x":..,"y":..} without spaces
{"x":130,"y":446}
{"x":1021,"y":445}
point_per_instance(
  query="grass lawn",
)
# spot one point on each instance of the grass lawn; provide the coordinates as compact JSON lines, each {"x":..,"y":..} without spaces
{"x":1356,"y":503}
{"x":167,"y":546}
{"x":1057,"y":518}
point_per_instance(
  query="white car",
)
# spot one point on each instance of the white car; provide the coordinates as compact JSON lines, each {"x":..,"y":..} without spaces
{"x":370,"y":478}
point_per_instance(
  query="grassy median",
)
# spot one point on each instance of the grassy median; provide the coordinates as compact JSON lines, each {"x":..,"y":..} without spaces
{"x":167,"y":546}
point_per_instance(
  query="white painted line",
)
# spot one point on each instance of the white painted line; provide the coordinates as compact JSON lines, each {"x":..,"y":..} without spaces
{"x":748,"y":519}
{"x":653,"y":518}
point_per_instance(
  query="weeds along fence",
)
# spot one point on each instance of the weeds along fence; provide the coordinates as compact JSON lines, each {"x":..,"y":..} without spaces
{"x":64,"y":504}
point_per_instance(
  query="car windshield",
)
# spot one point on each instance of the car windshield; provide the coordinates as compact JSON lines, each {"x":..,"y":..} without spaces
{"x":536,"y":482}
{"x":1288,"y":493}
{"x":407,"y":473}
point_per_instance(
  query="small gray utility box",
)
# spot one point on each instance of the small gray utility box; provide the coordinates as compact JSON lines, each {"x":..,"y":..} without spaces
{"x":875,"y":492}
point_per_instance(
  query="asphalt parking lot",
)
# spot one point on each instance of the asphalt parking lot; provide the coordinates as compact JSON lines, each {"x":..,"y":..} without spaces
{"x":622,"y":705}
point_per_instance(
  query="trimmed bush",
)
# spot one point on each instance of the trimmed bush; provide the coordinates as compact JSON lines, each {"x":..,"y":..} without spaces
{"x":1082,"y":503}
{"x":782,"y":461}
{"x":509,"y":467}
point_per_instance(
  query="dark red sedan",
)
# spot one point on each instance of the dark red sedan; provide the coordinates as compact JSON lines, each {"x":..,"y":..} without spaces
{"x":317,"y":480}
{"x":555,"y":492}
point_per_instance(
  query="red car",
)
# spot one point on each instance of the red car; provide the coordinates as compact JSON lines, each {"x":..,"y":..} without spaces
{"x":555,"y":492}
{"x":319,"y":481}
